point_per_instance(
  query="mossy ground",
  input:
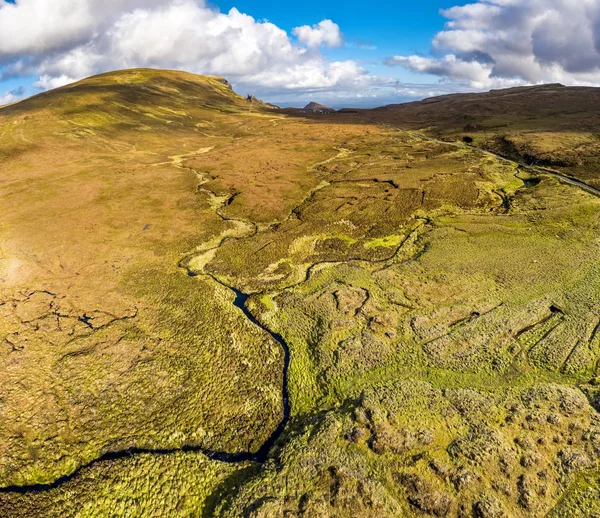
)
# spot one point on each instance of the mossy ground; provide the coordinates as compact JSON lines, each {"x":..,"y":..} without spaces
{"x":441,"y":310}
{"x":548,"y":125}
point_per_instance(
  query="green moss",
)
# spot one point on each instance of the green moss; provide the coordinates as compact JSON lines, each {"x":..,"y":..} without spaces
{"x":387,"y":242}
{"x":581,"y":499}
{"x":440,"y":308}
{"x":267,"y":302}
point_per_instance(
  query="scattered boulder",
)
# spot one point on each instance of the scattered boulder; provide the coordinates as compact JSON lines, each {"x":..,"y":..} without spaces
{"x":574,"y":460}
{"x":387,"y":439}
{"x":488,"y":507}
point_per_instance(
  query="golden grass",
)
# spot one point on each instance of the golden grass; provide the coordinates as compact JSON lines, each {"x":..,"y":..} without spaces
{"x":440,"y":306}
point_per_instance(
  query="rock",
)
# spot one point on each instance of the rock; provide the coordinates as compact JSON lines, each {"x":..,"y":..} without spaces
{"x":488,"y":507}
{"x":462,"y":479}
{"x":554,"y":419}
{"x":357,"y":434}
{"x":574,"y":460}
{"x":526,"y":493}
{"x":442,"y":469}
{"x":425,"y":437}
{"x":350,"y":300}
{"x":530,"y":459}
{"x":479,"y":445}
{"x":387,"y":439}
{"x":524,"y":442}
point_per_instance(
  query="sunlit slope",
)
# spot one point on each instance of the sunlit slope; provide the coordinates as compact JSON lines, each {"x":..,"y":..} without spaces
{"x":550,"y":125}
{"x":106,"y":343}
{"x":117,"y":93}
{"x":441,"y":307}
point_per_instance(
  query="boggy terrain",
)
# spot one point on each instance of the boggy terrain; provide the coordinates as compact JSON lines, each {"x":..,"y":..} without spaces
{"x":547,"y":125}
{"x":166,"y":247}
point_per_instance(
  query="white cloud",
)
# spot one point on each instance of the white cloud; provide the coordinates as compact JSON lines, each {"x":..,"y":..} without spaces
{"x":7,"y":98}
{"x":324,"y":33}
{"x":449,"y":66}
{"x":496,"y":43}
{"x":46,"y":82}
{"x":33,"y":26}
{"x":66,"y":40}
{"x":12,"y":96}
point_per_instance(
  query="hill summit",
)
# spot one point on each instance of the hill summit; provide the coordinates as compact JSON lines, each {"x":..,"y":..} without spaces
{"x":129,"y":96}
{"x":318,"y":108}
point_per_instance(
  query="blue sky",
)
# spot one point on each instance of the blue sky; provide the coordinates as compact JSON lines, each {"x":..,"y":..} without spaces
{"x":392,"y":27}
{"x":370,"y":35}
{"x":339,"y":53}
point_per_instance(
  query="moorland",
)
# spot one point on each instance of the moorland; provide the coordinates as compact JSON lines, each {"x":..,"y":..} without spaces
{"x":213,"y":307}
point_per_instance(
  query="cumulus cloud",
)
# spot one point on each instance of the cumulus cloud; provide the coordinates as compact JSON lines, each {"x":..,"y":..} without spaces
{"x":46,"y":82}
{"x":324,"y":33}
{"x":495,"y":43}
{"x":66,"y":40}
{"x":33,"y":26}
{"x":12,"y":96}
{"x":6,"y":98}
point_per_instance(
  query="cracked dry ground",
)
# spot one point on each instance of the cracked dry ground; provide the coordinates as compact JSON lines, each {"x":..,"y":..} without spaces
{"x":444,"y":343}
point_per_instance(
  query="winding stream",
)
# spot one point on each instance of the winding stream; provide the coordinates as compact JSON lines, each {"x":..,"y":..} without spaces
{"x":532,"y":168}
{"x":567,"y":179}
{"x":263,"y":452}
{"x":240,"y":302}
{"x":260,"y":456}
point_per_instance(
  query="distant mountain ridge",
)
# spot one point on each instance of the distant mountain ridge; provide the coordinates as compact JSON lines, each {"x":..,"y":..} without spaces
{"x":550,"y":125}
{"x":537,"y":101}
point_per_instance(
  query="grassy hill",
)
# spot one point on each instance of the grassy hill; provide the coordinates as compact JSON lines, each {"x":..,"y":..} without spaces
{"x":106,"y":330}
{"x":550,"y":125}
{"x":161,"y":237}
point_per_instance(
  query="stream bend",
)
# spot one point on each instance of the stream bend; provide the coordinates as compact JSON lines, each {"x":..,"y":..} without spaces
{"x":240,"y":302}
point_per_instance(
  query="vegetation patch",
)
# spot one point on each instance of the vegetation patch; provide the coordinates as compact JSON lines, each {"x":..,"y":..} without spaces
{"x":169,"y":243}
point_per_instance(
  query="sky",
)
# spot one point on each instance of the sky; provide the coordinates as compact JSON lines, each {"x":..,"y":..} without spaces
{"x":338,"y":53}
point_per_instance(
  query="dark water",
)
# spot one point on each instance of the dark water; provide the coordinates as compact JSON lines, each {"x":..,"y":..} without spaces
{"x":260,"y":456}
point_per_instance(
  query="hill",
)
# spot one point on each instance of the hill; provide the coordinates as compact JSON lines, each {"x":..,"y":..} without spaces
{"x":318,"y":108}
{"x":209,"y":307}
{"x":550,"y":125}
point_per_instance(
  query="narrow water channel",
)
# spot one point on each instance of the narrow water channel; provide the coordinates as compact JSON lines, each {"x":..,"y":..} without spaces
{"x":260,"y":456}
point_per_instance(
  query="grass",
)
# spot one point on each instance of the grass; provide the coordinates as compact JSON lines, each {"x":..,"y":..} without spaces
{"x":553,"y":127}
{"x":177,"y":485}
{"x":387,"y":242}
{"x":440,"y":307}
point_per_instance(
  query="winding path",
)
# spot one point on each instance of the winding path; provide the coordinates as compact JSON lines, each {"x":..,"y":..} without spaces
{"x":533,"y":168}
{"x":529,"y":167}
